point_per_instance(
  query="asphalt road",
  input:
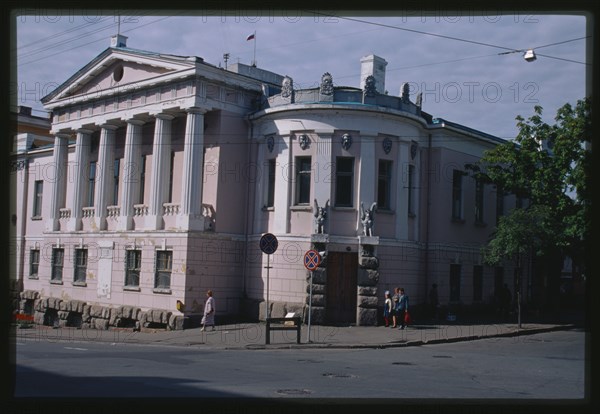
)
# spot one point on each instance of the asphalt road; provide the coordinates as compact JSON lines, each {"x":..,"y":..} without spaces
{"x":544,"y":366}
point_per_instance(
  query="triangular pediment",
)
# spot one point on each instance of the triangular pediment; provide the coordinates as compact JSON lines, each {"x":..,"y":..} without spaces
{"x":118,"y":68}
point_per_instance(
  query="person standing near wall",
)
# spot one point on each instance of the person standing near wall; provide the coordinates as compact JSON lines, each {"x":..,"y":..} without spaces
{"x":395,"y":300}
{"x":209,"y":312}
{"x":387,"y":309}
{"x":402,"y":308}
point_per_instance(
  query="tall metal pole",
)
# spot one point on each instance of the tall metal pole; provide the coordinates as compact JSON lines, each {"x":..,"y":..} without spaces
{"x":268,"y":267}
{"x":309,"y":307}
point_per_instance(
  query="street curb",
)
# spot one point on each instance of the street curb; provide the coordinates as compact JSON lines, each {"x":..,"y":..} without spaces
{"x":516,"y":333}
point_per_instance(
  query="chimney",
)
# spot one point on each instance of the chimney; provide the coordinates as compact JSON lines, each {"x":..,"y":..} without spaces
{"x":118,"y":40}
{"x":375,"y":66}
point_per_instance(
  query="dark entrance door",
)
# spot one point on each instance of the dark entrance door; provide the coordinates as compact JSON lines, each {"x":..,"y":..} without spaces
{"x":341,"y":287}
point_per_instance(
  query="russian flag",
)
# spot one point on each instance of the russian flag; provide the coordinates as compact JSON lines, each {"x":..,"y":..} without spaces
{"x":251,"y":36}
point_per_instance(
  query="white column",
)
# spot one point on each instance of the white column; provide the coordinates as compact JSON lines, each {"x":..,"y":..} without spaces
{"x":82,"y":160}
{"x":20,"y":183}
{"x":190,"y":210}
{"x":104,"y":174}
{"x":130,"y":188}
{"x":58,"y":181}
{"x":161,"y":160}
{"x":284,"y":185}
{"x":402,"y":191}
{"x":366,"y":182}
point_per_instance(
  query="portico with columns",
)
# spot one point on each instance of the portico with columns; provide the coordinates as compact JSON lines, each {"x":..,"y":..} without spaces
{"x":127,"y":173}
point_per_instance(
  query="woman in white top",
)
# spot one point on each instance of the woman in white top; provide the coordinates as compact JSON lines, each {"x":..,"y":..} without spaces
{"x":209,"y":312}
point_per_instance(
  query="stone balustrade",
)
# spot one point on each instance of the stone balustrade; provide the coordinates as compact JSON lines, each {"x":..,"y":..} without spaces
{"x":88,"y":212}
{"x":140,"y":210}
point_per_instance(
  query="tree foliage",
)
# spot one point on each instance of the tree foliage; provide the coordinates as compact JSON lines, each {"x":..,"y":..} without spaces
{"x":548,"y":166}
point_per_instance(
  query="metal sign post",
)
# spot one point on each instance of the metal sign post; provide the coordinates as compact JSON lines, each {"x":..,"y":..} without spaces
{"x":268,"y":245}
{"x":312,"y":259}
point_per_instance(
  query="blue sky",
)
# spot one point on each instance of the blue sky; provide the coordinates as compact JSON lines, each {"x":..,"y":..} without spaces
{"x":454,"y":58}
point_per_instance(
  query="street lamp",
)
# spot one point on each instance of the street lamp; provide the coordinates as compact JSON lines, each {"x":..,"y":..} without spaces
{"x":529,"y":55}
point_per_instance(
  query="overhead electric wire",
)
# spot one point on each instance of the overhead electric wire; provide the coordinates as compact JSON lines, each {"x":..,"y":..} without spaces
{"x":510,"y":50}
{"x":93,"y":41}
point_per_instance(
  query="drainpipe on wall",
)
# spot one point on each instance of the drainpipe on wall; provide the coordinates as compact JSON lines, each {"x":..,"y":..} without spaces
{"x":427,"y":217}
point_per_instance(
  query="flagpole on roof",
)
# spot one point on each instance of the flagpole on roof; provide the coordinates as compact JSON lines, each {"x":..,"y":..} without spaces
{"x":254,"y":62}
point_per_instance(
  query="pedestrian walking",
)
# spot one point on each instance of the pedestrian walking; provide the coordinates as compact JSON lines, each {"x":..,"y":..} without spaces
{"x":402,"y":309}
{"x":387,"y":308}
{"x":395,"y":300}
{"x":209,"y":312}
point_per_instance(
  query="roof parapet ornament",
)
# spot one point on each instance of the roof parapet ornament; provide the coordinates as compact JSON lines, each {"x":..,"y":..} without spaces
{"x":370,"y":86}
{"x":406,"y":92}
{"x":287,"y":88}
{"x":326,"y":84}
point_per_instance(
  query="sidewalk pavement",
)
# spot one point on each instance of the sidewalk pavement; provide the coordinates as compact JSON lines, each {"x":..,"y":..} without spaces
{"x":251,"y":336}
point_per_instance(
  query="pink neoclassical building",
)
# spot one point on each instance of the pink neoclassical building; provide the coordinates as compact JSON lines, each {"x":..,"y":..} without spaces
{"x":165,"y":171}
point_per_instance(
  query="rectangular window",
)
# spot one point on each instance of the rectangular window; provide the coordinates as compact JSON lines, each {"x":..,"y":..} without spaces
{"x":171,"y":177}
{"x":499,"y":204}
{"x":91,"y":184}
{"x":344,"y":181}
{"x":133,"y":265}
{"x":384,"y":184}
{"x":142,"y":180}
{"x":479,"y":190}
{"x":80,"y":265}
{"x":454,"y":282}
{"x":58,"y":258}
{"x":116,"y":182}
{"x":164,"y":264}
{"x":457,"y":177}
{"x":303,"y":172}
{"x":34,"y":263}
{"x":38,"y":192}
{"x":411,"y":189}
{"x":477,"y":283}
{"x":271,"y":183}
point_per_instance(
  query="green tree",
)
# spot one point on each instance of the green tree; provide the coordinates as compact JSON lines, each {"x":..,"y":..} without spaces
{"x":546,"y":165}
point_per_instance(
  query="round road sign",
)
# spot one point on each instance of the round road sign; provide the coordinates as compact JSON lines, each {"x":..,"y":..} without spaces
{"x":312,"y":259}
{"x":268,"y":243}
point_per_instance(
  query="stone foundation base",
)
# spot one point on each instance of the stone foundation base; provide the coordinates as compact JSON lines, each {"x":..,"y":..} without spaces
{"x":64,"y":313}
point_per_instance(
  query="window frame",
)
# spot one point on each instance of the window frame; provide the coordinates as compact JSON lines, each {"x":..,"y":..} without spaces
{"x":38,"y":198}
{"x":92,"y":170}
{"x":163,"y":271}
{"x":143,"y":180}
{"x":479,"y":201}
{"x":80,"y":261}
{"x":341,"y":178}
{"x":116,"y":174}
{"x":457,"y":195}
{"x":411,"y":190}
{"x":131,"y":271}
{"x":271,"y":173}
{"x":454,"y":285}
{"x":386,"y":181}
{"x":56,"y":269}
{"x":302,"y":177}
{"x":34,"y":263}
